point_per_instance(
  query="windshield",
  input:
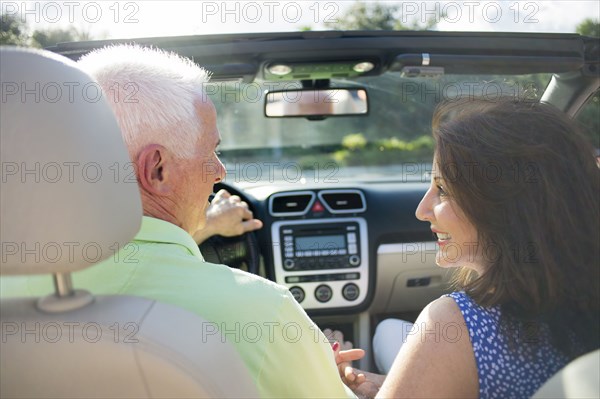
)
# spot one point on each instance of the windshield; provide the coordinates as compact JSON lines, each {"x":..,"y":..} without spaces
{"x":392,"y":142}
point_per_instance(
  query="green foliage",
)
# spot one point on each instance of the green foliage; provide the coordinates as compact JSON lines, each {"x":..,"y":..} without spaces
{"x":354,"y":142}
{"x":589,"y":119}
{"x":589,"y":116}
{"x":363,"y":16}
{"x":50,"y":37}
{"x":356,"y":151}
{"x":13,"y":31}
{"x":589,"y":27}
{"x":376,"y":16}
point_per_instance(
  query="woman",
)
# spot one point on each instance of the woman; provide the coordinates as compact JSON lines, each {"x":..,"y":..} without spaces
{"x":514,"y":205}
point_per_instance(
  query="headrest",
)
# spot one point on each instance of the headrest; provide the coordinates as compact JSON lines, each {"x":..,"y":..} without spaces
{"x":69,"y":196}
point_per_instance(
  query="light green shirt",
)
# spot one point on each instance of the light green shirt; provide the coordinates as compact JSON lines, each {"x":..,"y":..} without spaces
{"x":285,"y":352}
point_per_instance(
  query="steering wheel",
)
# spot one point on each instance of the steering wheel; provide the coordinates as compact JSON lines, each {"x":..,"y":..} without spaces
{"x":240,"y":252}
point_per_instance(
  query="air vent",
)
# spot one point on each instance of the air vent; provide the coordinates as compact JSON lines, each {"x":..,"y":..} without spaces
{"x":343,"y":201}
{"x":291,"y":204}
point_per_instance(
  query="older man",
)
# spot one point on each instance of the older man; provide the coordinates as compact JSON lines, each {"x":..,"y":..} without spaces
{"x":170,"y":130}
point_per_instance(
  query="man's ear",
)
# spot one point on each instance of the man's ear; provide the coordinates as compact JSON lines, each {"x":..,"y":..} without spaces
{"x":153,"y":169}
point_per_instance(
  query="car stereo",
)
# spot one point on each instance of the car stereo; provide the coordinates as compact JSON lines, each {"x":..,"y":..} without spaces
{"x":324,"y":263}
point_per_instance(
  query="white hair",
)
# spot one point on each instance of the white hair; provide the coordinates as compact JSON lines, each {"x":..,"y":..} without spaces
{"x":152,"y":93}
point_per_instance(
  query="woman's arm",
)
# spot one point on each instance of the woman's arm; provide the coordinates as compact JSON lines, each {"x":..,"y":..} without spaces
{"x":437,"y":360}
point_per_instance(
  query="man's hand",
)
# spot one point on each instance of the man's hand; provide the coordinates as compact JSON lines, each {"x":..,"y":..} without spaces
{"x":227,"y":216}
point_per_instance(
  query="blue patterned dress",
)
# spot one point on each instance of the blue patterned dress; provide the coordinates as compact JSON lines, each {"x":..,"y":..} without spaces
{"x":508,"y":369}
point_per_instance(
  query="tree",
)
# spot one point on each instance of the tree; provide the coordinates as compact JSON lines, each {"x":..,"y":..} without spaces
{"x":589,"y":27}
{"x":589,"y":116}
{"x":13,"y":31}
{"x":375,"y":16}
{"x":50,"y":37}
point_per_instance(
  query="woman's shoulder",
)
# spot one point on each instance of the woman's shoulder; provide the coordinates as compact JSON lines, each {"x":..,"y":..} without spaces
{"x":461,"y":298}
{"x":468,"y":305}
{"x":479,"y":320}
{"x":443,"y":309}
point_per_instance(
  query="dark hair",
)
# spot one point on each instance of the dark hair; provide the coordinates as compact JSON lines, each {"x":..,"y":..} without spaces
{"x":526,"y":178}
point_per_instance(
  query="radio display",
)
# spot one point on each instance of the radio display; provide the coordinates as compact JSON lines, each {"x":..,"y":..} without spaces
{"x":321,"y":242}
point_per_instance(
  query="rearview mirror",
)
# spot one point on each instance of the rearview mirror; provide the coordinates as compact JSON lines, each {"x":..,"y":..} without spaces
{"x":316,"y":102}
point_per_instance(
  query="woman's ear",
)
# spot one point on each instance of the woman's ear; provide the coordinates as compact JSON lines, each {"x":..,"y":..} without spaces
{"x":152,"y":169}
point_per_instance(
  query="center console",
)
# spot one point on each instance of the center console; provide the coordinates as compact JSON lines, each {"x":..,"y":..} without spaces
{"x":320,"y":247}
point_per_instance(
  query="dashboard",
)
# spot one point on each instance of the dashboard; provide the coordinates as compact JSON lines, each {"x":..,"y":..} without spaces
{"x":349,"y":249}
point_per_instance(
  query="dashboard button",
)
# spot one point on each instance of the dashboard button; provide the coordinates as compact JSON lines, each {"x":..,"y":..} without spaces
{"x":354,"y":260}
{"x":352,"y":248}
{"x":323,"y":293}
{"x":350,"y":291}
{"x":298,"y":294}
{"x":288,"y":264}
{"x":351,"y":238}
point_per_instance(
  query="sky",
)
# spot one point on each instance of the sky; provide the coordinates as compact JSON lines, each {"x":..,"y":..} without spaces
{"x":130,"y":19}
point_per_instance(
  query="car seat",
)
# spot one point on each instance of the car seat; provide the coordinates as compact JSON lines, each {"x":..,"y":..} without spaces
{"x":64,"y":208}
{"x":579,"y":379}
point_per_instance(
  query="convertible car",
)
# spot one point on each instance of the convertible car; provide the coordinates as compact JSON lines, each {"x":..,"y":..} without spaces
{"x":326,"y":135}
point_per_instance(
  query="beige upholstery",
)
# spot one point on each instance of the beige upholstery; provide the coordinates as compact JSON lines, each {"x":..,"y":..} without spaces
{"x":118,"y":347}
{"x":579,"y":379}
{"x":75,"y":344}
{"x":62,"y":204}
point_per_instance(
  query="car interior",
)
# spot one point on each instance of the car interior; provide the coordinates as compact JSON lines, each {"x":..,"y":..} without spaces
{"x":326,"y":135}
